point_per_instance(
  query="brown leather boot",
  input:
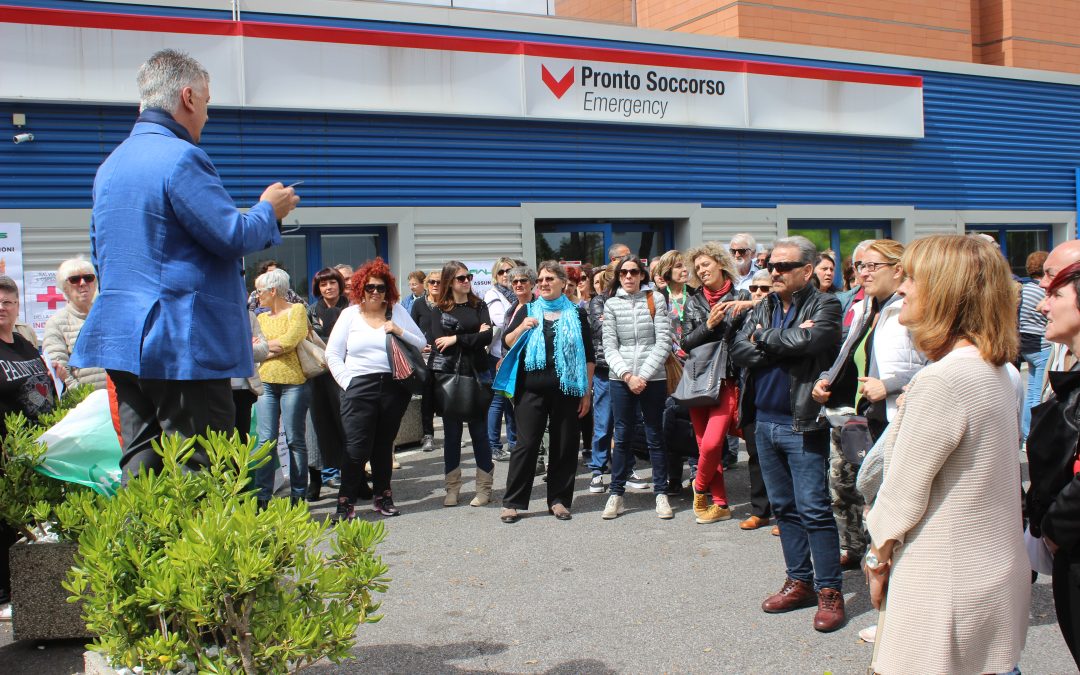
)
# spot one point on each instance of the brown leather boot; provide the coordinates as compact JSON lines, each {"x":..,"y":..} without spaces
{"x":793,"y":595}
{"x":830,"y":613}
{"x":453,"y":487}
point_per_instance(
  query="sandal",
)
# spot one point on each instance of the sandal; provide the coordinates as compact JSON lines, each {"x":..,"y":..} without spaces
{"x":560,"y":512}
{"x":509,"y":516}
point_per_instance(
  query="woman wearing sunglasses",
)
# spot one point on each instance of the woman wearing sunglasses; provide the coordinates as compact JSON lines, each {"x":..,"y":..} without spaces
{"x":372,"y":401}
{"x":421,"y":315}
{"x":714,"y":314}
{"x":553,"y":388}
{"x":79,"y":284}
{"x":498,"y":299}
{"x":461,"y":326}
{"x":637,"y":341}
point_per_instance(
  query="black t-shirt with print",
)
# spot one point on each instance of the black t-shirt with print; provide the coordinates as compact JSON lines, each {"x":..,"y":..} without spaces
{"x":25,"y":383}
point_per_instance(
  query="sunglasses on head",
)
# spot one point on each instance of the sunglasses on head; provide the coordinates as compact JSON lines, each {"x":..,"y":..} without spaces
{"x":76,"y":278}
{"x":464,"y":277}
{"x":784,"y":266}
{"x":764,"y":289}
{"x":630,"y":272}
{"x":375,"y":288}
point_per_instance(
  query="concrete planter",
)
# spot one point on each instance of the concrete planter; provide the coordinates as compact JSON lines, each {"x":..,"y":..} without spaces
{"x":39,"y":606}
{"x":411,"y":431}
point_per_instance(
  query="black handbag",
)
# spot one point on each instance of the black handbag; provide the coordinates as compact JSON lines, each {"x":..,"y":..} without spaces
{"x":703,"y":374}
{"x":462,"y":395}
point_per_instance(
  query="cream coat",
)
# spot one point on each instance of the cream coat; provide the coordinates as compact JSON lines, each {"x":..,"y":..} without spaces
{"x":960,"y":587}
{"x":61,"y":331}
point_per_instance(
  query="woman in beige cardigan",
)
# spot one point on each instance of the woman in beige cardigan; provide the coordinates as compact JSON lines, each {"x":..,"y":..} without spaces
{"x":79,"y":283}
{"x":946,"y":527}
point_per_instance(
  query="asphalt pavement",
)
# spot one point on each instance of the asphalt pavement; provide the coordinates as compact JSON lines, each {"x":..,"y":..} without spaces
{"x":633,"y":595}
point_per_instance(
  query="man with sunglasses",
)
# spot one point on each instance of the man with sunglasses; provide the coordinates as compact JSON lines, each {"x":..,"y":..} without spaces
{"x":743,"y":248}
{"x":789,"y":339}
{"x":170,"y":325}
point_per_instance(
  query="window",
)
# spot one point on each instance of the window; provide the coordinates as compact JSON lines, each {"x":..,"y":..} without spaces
{"x":304,"y":253}
{"x":588,"y":242}
{"x":1017,"y":242}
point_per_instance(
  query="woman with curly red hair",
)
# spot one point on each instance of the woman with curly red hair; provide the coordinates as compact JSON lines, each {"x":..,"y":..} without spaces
{"x":372,"y":402}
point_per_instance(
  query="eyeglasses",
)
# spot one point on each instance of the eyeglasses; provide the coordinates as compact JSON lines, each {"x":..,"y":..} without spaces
{"x":784,"y":266}
{"x":433,"y":282}
{"x":8,"y":304}
{"x":740,"y":251}
{"x":261,"y":290}
{"x":85,"y":278}
{"x":871,"y":267}
{"x":501,"y":272}
{"x":632,"y":272}
{"x":546,"y":280}
{"x":375,"y":288}
{"x":519,"y":282}
{"x":464,"y":278}
{"x":763,"y":289}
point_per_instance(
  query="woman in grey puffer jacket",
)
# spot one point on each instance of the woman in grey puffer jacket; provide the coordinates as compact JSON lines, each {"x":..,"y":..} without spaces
{"x":637,"y":341}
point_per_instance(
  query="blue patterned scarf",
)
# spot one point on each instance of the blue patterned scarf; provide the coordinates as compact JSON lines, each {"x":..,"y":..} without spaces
{"x":569,"y":350}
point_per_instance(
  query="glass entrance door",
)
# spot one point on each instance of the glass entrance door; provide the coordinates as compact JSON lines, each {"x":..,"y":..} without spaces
{"x":840,"y":236}
{"x":589,"y":242}
{"x":308,"y":250}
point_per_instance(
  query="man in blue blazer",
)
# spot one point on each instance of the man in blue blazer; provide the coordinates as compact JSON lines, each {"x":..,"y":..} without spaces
{"x":170,"y":324}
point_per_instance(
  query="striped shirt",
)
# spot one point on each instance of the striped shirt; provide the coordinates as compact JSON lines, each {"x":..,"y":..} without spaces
{"x":1031,"y":321}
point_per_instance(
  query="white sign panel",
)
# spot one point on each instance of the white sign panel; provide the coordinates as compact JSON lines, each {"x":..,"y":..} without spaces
{"x":44,"y":297}
{"x":481,"y":271}
{"x":75,"y":55}
{"x":11,"y":258}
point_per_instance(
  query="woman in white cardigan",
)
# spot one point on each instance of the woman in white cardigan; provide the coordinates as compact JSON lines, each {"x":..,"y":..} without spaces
{"x":79,"y":284}
{"x":947,"y":539}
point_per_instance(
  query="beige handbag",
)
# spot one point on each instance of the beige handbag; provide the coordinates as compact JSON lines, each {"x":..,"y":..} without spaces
{"x":311,"y":352}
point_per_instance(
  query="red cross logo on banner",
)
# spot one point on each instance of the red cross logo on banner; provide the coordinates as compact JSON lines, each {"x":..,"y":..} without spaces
{"x":557,"y":87}
{"x":51,"y":297}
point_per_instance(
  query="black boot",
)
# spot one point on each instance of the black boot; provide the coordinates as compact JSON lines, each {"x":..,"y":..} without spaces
{"x":314,"y":486}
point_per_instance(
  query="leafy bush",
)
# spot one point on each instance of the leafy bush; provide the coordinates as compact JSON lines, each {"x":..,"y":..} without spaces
{"x":27,"y":497}
{"x":180,"y":570}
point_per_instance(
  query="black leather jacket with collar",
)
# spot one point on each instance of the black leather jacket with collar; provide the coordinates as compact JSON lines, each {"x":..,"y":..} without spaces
{"x":803,"y":353}
{"x":1053,"y":500}
{"x":695,"y":327}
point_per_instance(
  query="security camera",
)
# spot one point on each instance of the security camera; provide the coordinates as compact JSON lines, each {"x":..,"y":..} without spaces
{"x":22,"y":138}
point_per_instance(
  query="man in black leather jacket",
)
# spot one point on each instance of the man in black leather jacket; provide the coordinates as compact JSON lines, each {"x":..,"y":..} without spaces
{"x":787,"y":341}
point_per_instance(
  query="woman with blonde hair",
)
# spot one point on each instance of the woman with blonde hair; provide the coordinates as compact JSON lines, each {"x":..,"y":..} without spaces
{"x":714,"y":314}
{"x":499,"y":298}
{"x":946,"y":534}
{"x":79,"y":284}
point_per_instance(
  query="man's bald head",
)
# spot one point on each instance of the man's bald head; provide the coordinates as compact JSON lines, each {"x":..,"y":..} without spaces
{"x":1061,"y":257}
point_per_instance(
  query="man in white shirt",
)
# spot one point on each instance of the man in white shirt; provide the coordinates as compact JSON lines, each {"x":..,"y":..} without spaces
{"x":743,"y":248}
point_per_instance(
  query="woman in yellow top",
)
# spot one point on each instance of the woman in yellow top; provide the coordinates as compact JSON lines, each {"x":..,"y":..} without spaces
{"x":285,"y":392}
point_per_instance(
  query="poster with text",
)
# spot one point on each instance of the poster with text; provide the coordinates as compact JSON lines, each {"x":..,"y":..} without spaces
{"x":11,"y":258}
{"x":43,"y":297}
{"x":481,"y":271}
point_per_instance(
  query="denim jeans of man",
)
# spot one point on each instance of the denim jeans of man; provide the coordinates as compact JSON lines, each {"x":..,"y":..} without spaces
{"x":624,"y":407}
{"x":795,"y":468}
{"x":285,"y":404}
{"x":501,"y":408}
{"x":603,"y":425}
{"x":1036,"y":362}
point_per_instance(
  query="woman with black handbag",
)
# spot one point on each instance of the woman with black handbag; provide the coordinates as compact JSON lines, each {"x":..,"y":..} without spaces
{"x":713,"y":315}
{"x":372,"y":401}
{"x":553,"y":386}
{"x":461,"y":328}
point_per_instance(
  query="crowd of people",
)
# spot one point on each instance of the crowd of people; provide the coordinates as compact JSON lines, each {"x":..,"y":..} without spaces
{"x":878,"y":397}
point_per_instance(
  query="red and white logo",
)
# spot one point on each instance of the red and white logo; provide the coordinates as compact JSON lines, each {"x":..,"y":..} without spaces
{"x":557,"y":87}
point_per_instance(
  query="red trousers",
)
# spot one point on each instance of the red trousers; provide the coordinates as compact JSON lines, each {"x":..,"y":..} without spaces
{"x":711,"y":427}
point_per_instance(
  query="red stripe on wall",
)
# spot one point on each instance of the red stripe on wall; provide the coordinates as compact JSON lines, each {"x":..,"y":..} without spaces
{"x":357,"y":36}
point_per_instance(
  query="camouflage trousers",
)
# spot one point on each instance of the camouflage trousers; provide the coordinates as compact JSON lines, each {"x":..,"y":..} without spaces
{"x":847,"y":503}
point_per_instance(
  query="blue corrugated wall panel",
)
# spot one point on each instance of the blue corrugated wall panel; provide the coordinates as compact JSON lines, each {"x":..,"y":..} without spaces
{"x":990,"y":144}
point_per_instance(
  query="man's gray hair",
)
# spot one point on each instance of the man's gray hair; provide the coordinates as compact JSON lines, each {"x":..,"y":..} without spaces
{"x":164,"y":76}
{"x":807,"y":250}
{"x":751,"y":243}
{"x":613,"y":252}
{"x":277,"y":279}
{"x":522,"y":271}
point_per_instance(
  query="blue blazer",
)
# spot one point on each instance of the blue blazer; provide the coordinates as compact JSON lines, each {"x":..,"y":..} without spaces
{"x":167,"y":242}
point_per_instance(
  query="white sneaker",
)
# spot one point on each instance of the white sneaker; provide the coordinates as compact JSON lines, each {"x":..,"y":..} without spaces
{"x":396,"y":464}
{"x":663,"y":508}
{"x":596,"y":485}
{"x":868,"y":634}
{"x":614,"y":508}
{"x":636,"y":482}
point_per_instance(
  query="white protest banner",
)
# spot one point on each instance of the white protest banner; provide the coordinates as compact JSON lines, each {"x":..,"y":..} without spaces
{"x":481,"y":271}
{"x":11,"y":258}
{"x":43,"y":298}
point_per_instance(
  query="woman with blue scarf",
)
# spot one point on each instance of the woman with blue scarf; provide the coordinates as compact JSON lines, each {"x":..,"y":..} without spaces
{"x":554,"y":364}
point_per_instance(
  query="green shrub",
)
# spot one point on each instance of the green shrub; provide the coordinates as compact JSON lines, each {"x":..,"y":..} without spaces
{"x":28,"y":497}
{"x":180,"y":569}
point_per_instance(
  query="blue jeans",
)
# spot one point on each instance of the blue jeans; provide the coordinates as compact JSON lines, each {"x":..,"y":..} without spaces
{"x":1036,"y":369}
{"x":452,"y":427}
{"x":624,"y":407}
{"x":603,"y":423}
{"x":500,"y":408}
{"x":795,"y":468}
{"x":286,"y":403}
